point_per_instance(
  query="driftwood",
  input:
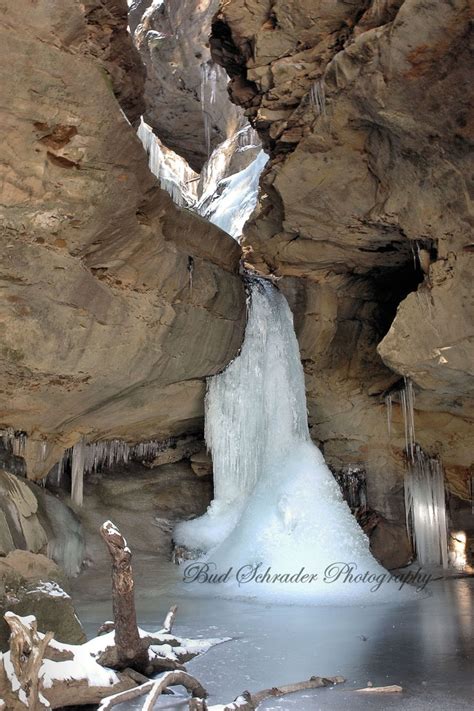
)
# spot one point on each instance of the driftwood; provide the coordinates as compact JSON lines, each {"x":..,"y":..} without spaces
{"x":393,"y":689}
{"x":250,"y":702}
{"x":154,"y":689}
{"x":169,"y":619}
{"x":39,"y":672}
{"x":27,"y":650}
{"x":245,"y":702}
{"x":129,"y":649}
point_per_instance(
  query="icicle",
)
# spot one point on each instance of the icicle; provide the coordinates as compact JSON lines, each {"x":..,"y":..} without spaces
{"x":317,"y":97}
{"x":59,"y":471}
{"x":247,"y":137}
{"x":425,"y":505}
{"x":173,"y":172}
{"x":77,"y":472}
{"x":407,"y":397}
{"x":209,"y":76}
{"x":389,"y":408}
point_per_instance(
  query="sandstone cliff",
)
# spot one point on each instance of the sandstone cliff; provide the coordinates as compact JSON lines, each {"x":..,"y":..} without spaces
{"x":185,"y":93}
{"x":116,"y":304}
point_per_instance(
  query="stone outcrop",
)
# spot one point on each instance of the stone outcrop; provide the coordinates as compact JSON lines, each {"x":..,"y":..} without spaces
{"x":20,"y":524}
{"x":158,"y":498}
{"x":33,"y":585}
{"x":116,"y":304}
{"x":364,"y":108}
{"x":185,"y":93}
{"x":33,"y":520}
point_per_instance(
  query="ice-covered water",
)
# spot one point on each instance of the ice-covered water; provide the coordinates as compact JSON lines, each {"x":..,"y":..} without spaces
{"x":277,"y":509}
{"x":426,"y":647}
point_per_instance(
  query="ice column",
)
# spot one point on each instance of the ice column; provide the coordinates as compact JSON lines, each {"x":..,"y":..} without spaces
{"x":77,"y":472}
{"x":425,"y":507}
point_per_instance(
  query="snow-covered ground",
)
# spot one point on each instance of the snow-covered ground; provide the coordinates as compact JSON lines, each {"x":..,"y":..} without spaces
{"x":426,"y":646}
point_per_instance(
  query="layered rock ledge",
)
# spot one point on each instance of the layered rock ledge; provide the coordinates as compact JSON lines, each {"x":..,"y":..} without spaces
{"x":116,"y":304}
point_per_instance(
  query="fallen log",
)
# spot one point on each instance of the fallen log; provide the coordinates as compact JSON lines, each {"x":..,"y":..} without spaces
{"x":244,"y":702}
{"x":250,"y":702}
{"x":392,"y":689}
{"x":154,"y":689}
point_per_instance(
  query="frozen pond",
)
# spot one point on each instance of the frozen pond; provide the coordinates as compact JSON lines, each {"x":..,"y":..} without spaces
{"x":425,"y":646}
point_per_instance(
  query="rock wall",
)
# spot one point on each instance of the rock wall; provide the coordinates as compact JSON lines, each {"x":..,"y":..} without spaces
{"x":116,"y":304}
{"x":185,"y":93}
{"x":364,"y":108}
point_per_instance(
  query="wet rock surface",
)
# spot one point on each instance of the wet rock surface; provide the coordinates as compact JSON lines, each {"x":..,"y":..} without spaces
{"x":145,"y":504}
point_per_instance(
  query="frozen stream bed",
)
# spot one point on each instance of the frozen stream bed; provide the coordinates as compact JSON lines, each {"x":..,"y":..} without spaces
{"x":425,"y":646}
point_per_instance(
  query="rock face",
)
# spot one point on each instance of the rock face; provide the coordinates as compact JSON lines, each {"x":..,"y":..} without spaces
{"x":185,"y":93}
{"x":33,"y":585}
{"x":364,"y":108}
{"x":116,"y":304}
{"x":33,"y":520}
{"x":155,"y":498}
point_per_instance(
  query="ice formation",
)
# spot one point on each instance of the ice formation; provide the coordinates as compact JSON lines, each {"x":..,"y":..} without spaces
{"x":389,"y":408}
{"x":317,"y":97}
{"x":276,"y":504}
{"x":14,"y":441}
{"x":353,"y":485}
{"x":407,"y":399}
{"x":209,"y":76}
{"x":234,"y":198}
{"x":173,"y":172}
{"x":86,"y":457}
{"x":425,"y":506}
{"x":65,"y":541}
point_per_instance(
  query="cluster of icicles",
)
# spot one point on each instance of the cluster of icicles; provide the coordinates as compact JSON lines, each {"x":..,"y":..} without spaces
{"x":425,"y":496}
{"x":174,"y":174}
{"x":14,"y":441}
{"x":87,"y":457}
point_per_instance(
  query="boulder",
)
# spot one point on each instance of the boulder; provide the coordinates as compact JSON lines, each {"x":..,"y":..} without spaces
{"x":390,"y":545}
{"x":31,"y":584}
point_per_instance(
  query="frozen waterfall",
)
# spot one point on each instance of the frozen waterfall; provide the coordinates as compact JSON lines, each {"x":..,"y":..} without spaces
{"x":277,"y":509}
{"x":235,"y":198}
{"x":173,"y":172}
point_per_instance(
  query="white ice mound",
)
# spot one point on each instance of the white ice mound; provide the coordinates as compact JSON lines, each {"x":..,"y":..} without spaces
{"x":278,"y":527}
